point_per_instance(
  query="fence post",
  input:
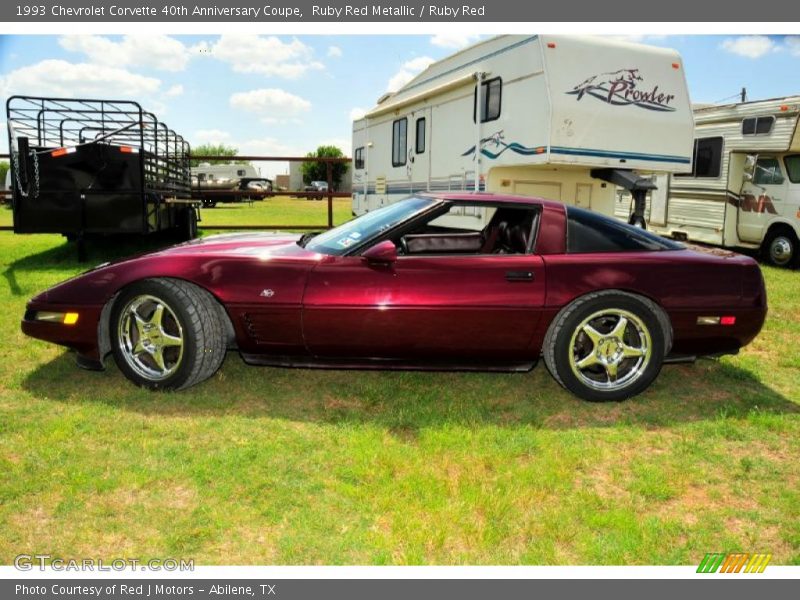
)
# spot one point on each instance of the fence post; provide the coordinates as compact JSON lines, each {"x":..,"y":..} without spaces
{"x":329,"y":166}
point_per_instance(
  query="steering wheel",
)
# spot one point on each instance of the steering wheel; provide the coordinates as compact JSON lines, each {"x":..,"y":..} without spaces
{"x":403,"y":246}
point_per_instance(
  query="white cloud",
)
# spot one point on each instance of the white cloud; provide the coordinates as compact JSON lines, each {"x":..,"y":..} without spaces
{"x":270,"y":103}
{"x":750,"y":46}
{"x":408,"y":70}
{"x":454,"y":41}
{"x":334,"y":52}
{"x":357,"y":113}
{"x":793,"y":44}
{"x":264,"y":55}
{"x":154,"y":51}
{"x":211,"y":136}
{"x":174,"y":91}
{"x":61,"y":78}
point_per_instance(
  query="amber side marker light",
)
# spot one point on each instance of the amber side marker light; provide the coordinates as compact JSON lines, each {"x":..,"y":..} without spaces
{"x":69,"y":318}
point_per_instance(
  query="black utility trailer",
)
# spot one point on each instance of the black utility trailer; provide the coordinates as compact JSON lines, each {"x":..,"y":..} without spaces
{"x":97,"y":167}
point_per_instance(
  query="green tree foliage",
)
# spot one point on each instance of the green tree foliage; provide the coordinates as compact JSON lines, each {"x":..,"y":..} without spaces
{"x":318,"y":171}
{"x":215,"y":150}
{"x":3,"y":170}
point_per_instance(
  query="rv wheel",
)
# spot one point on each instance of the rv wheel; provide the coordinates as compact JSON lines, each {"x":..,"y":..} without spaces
{"x":781,"y":247}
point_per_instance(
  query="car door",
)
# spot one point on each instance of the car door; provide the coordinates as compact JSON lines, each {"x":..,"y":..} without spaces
{"x":479,"y":307}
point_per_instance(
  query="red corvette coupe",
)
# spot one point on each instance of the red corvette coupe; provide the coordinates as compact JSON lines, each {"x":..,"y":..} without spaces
{"x":436,"y":281}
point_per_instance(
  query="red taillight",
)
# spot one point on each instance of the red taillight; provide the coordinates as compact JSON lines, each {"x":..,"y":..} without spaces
{"x":676,"y":65}
{"x":551,"y":44}
{"x":128,"y":149}
{"x":59,"y":152}
{"x":728,"y":320}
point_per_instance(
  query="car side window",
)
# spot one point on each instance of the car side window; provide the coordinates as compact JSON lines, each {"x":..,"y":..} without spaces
{"x":589,"y":232}
{"x":485,"y":229}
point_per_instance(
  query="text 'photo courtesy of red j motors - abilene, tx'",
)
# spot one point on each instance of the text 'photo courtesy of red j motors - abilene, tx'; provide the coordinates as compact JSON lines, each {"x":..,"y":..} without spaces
{"x":332,"y":301}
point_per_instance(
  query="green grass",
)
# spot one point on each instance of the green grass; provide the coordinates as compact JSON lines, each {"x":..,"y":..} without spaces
{"x":281,"y":210}
{"x":263,"y":465}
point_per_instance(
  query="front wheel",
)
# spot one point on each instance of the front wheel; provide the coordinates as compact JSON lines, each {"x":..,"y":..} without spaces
{"x":607,"y":346}
{"x":781,"y":248}
{"x":167,"y":334}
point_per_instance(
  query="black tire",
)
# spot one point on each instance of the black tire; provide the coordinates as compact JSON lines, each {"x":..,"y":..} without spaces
{"x":781,"y":248}
{"x":187,"y":224}
{"x":209,"y":203}
{"x":190,"y":313}
{"x":566,"y":344}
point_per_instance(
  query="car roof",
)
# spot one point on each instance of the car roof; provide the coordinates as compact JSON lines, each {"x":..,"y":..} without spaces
{"x":488,"y":197}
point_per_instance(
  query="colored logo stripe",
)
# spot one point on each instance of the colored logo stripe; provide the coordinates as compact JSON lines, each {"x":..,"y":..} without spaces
{"x":737,"y":562}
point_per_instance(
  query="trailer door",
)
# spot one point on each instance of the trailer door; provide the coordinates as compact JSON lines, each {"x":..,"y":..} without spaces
{"x":419,"y":150}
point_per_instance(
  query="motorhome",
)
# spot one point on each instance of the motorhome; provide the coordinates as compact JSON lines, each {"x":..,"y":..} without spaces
{"x":562,"y":117}
{"x":219,"y":179}
{"x":744,"y":188}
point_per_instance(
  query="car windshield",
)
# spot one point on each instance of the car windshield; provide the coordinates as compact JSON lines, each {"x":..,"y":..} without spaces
{"x":360,"y":231}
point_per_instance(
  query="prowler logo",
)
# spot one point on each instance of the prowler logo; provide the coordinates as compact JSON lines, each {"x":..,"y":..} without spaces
{"x":623,"y":88}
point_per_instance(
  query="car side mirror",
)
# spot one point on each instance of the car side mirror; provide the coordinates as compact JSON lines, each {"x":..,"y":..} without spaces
{"x":749,"y":168}
{"x":384,"y":252}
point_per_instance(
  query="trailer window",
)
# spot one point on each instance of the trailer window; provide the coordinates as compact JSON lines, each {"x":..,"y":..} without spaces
{"x":757,"y":125}
{"x":706,"y":159}
{"x":491,"y":98}
{"x":399,"y":142}
{"x":358,"y":159}
{"x":792,"y":164}
{"x":420,"y":144}
{"x":241,"y":172}
{"x":768,"y":171}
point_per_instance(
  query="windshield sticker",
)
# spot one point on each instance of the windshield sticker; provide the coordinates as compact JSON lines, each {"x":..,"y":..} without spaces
{"x":346,"y":242}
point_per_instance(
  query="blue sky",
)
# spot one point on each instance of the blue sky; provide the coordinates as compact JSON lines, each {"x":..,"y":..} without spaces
{"x":288,"y":94}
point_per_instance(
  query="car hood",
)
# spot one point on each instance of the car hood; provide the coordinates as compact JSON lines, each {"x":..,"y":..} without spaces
{"x":243,"y":244}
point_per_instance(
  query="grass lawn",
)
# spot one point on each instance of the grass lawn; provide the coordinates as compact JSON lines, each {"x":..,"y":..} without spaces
{"x":263,"y":465}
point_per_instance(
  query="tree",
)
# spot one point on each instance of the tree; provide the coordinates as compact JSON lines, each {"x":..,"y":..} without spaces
{"x":3,"y":170}
{"x":318,"y":171}
{"x":215,"y":150}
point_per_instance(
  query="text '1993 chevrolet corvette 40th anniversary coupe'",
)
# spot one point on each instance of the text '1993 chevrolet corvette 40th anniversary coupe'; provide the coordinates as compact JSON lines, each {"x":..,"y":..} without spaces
{"x":436,"y":281}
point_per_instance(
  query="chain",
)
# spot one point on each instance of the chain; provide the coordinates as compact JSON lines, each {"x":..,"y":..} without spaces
{"x":35,"y":174}
{"x":15,"y":160}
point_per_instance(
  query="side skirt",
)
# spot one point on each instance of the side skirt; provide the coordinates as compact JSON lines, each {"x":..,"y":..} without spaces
{"x":310,"y":362}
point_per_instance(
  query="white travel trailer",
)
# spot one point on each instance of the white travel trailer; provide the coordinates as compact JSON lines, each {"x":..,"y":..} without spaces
{"x":744,"y":190}
{"x":562,"y":117}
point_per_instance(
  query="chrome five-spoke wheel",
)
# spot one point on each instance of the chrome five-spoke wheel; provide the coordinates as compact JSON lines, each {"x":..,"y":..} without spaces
{"x":611,"y":349}
{"x":607,"y":345}
{"x":150,"y":337}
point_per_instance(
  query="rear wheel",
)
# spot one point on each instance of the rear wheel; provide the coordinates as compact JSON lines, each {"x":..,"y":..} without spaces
{"x":167,"y":334}
{"x":607,"y":346}
{"x":780,"y":247}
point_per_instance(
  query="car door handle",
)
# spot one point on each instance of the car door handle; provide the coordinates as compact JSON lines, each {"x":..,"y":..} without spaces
{"x":519,"y":275}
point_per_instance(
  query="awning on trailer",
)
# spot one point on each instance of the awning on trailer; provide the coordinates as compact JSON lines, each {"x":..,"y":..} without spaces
{"x":625,"y":178}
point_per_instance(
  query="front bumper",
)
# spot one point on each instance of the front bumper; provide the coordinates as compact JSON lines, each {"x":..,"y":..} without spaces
{"x":80,"y":336}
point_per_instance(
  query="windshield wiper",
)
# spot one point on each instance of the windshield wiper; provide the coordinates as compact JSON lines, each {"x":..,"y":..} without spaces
{"x":304,"y":239}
